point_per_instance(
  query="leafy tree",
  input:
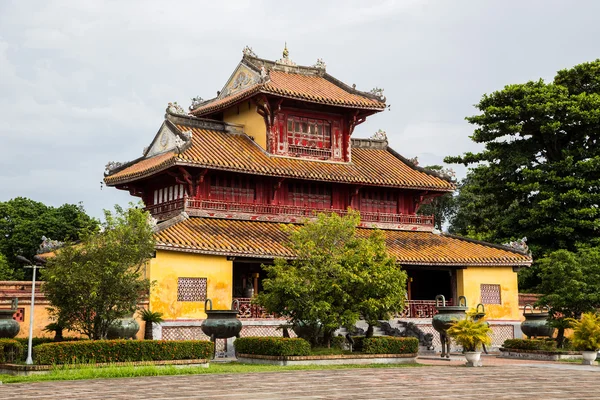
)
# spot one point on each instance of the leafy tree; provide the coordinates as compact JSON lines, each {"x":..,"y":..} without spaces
{"x":539,"y":173}
{"x":92,"y":283}
{"x":6,"y":272}
{"x":23,"y":222}
{"x":442,"y":207}
{"x":336,"y":278}
{"x":570,"y":284}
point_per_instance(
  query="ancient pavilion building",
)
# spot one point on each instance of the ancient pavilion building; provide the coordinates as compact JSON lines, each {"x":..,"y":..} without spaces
{"x":275,"y":146}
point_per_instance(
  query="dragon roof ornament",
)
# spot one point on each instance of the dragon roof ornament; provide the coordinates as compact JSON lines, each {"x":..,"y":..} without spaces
{"x":49,"y":245}
{"x":175,"y":108}
{"x":112,"y":165}
{"x":377,"y":91}
{"x":519,"y":245}
{"x":196,"y":101}
{"x":249,"y":52}
{"x":320,"y":64}
{"x":379,"y":135}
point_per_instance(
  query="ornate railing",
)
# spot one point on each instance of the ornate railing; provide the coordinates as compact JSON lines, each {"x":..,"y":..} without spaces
{"x":249,"y":310}
{"x":166,"y":207}
{"x":412,"y":309}
{"x":420,"y":309}
{"x":293,"y":211}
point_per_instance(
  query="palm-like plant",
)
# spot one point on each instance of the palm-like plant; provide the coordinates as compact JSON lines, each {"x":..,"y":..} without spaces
{"x":586,"y":332}
{"x":150,"y":317}
{"x":470,"y":334}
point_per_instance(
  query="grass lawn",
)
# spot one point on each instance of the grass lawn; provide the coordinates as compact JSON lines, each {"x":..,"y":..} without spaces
{"x":61,"y":373}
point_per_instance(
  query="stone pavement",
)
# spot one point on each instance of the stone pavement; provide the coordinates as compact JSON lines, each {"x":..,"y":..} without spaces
{"x":494,"y":381}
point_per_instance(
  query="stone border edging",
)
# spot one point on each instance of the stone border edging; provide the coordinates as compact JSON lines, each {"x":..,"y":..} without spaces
{"x":544,"y":355}
{"x":329,"y":359}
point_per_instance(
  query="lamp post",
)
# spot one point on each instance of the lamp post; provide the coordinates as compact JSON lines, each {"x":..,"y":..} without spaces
{"x":29,"y":360}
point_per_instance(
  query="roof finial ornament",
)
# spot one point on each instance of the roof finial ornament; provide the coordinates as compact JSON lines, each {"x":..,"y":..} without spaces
{"x":519,"y":245}
{"x":285,"y":60}
{"x":249,"y":52}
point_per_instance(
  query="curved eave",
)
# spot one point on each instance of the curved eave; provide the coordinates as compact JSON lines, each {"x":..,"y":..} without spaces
{"x":289,"y":256}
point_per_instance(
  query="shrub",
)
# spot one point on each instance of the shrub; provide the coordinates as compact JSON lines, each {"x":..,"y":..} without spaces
{"x":10,"y":350}
{"x":272,"y":346}
{"x":470,"y":334}
{"x":337,"y":342}
{"x":390,"y":345}
{"x":103,"y":351}
{"x":530,"y":344}
{"x":586,"y":332}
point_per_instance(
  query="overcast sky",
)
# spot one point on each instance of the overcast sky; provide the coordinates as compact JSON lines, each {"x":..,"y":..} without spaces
{"x":87,"y":82}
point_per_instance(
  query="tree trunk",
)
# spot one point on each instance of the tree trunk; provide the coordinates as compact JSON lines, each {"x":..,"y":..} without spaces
{"x":58,"y":335}
{"x":560,"y":338}
{"x":148,"y":331}
{"x":369,"y":331}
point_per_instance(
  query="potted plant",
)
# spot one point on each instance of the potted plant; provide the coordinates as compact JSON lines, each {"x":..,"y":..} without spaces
{"x":586,"y":336}
{"x":150,"y":318}
{"x":471,"y":335}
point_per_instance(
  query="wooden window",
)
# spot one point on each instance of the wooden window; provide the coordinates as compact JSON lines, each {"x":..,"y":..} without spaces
{"x":379,"y":202}
{"x":191,"y":289}
{"x":235,"y":189}
{"x":309,"y":195}
{"x":309,"y":136}
{"x":490,"y":294}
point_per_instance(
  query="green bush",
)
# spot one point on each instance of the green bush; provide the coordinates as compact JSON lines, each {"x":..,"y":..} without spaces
{"x":530,"y":344}
{"x":390,"y":345}
{"x":10,"y":350}
{"x":337,"y":342}
{"x":103,"y":351}
{"x":272,"y":346}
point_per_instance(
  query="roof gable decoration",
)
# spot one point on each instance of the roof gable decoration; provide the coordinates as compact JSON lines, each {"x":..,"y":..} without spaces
{"x":168,"y":139}
{"x":242,"y":78}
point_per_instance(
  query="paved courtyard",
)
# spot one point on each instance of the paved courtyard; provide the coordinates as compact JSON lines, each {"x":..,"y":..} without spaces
{"x":498,"y":380}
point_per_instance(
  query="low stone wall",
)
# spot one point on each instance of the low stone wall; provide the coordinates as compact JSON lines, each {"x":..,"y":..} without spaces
{"x":190,"y":330}
{"x":541,"y":355}
{"x":337,"y":359}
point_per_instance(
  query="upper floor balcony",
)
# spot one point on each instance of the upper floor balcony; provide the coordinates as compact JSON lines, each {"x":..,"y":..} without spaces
{"x":281,"y":213}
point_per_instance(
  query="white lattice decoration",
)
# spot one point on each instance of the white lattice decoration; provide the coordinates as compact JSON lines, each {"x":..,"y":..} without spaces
{"x":191,"y":289}
{"x":264,"y":330}
{"x":490,"y":294}
{"x":500,"y":333}
{"x":183,"y":333}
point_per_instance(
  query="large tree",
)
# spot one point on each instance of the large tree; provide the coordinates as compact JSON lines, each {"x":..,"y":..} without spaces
{"x":336,"y":278}
{"x":92,"y":283}
{"x":442,"y":207}
{"x":538,"y":175}
{"x":570,"y":284}
{"x":23,"y":222}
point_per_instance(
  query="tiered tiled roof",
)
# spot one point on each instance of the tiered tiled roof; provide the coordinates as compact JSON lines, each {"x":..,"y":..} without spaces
{"x":237,"y":152}
{"x":266,"y":240}
{"x":288,"y":80}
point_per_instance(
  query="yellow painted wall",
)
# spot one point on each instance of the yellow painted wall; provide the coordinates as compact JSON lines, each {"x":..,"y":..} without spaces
{"x":168,"y":266}
{"x":470,"y":279}
{"x":254,"y":124}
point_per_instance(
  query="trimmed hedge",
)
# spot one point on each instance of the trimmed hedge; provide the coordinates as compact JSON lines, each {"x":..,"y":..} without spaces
{"x":338,"y":342}
{"x":272,"y":346}
{"x":390,"y":345}
{"x":530,"y":344}
{"x":35,"y":341}
{"x":10,"y":350}
{"x":106,"y":351}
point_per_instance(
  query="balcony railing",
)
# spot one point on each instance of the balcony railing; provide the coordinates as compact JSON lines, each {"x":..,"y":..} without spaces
{"x":412,"y":309}
{"x":173,"y":206}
